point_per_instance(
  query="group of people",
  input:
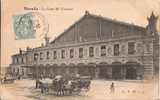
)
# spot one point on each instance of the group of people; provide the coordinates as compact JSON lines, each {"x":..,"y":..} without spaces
{"x":62,"y":85}
{"x":62,"y":81}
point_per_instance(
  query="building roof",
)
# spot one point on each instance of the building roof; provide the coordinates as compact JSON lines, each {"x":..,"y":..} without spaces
{"x":18,"y":54}
{"x":103,"y":19}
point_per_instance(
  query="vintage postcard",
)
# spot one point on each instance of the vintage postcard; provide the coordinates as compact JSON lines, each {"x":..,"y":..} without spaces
{"x":80,"y":50}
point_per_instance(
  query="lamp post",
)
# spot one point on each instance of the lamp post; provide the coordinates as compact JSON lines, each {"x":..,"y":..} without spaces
{"x":36,"y":66}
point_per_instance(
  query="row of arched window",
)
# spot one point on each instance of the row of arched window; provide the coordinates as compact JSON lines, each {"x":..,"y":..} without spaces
{"x":103,"y":52}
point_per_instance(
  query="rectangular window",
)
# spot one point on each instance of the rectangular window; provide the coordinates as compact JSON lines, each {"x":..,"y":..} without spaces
{"x":116,"y":50}
{"x":91,"y":51}
{"x":80,"y":52}
{"x":41,"y":56}
{"x":47,"y":54}
{"x":103,"y":50}
{"x":14,"y":60}
{"x":71,"y":53}
{"x":131,"y":48}
{"x":55,"y":54}
{"x":22,"y":61}
{"x":35,"y":56}
{"x":63,"y":54}
{"x":17,"y":60}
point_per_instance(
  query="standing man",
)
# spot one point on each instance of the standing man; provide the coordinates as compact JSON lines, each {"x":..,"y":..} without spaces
{"x":112,"y":88}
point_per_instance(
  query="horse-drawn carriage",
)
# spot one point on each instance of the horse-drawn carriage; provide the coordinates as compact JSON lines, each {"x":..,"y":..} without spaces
{"x":61,"y":86}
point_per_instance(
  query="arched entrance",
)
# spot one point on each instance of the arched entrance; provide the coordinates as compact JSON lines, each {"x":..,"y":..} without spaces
{"x":47,"y":70}
{"x":63,"y":68}
{"x":116,"y":72}
{"x":54,"y":66}
{"x":105,"y":70}
{"x":91,"y":69}
{"x":132,"y":69}
{"x":131,"y":73}
{"x":83,"y":69}
{"x":117,"y":68}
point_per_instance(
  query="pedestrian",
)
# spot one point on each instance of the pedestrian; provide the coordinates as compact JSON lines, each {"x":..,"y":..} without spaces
{"x":37,"y":83}
{"x":112,"y":88}
{"x":19,"y":77}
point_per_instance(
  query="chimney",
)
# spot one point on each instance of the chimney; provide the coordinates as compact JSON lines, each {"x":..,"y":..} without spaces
{"x":46,"y":38}
{"x":20,"y":51}
{"x":87,"y":12}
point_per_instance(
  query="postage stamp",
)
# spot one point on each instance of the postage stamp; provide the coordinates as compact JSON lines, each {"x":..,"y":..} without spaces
{"x":26,"y":26}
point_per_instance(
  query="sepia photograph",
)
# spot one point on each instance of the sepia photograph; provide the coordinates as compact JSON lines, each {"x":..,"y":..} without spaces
{"x":80,"y":50}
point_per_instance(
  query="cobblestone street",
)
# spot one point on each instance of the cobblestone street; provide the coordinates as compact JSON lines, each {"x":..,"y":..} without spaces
{"x":100,"y":90}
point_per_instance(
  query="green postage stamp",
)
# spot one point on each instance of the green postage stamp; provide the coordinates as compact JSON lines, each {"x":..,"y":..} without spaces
{"x":23,"y":26}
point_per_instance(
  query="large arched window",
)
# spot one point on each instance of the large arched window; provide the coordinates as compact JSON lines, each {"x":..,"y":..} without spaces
{"x":55,"y":54}
{"x":41,"y":56}
{"x":71,"y":53}
{"x":47,"y":55}
{"x":91,"y":51}
{"x":131,"y":48}
{"x":80,"y":52}
{"x":35,"y":56}
{"x":116,"y":50}
{"x":63,"y":54}
{"x":103,"y":50}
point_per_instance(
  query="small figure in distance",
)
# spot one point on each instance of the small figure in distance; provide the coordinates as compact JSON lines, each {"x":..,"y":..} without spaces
{"x":112,"y":88}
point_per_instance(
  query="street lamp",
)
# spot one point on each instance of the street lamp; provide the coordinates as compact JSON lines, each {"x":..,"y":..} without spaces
{"x":36,"y":67}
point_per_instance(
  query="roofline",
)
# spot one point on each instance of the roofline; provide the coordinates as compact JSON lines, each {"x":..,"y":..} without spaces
{"x":117,"y":21}
{"x":69,"y":28}
{"x":17,"y":54}
{"x":96,"y":16}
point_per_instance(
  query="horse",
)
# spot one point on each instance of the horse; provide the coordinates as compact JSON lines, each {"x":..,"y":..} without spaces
{"x":58,"y":87}
{"x":84,"y":84}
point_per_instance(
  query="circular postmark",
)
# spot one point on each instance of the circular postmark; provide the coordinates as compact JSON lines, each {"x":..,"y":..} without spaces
{"x":30,"y":25}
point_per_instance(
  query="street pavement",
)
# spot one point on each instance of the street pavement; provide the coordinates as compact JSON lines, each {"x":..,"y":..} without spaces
{"x":100,"y":90}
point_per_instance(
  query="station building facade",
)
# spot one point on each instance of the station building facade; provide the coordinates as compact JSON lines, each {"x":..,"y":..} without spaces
{"x":95,"y":46}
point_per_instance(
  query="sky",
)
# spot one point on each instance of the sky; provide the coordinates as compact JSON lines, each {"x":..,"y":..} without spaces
{"x":130,"y":11}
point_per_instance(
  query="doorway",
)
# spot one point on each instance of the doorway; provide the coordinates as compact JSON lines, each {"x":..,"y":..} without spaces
{"x":131,"y":73}
{"x":116,"y":72}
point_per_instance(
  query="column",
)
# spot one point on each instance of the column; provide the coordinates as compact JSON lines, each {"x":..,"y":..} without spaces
{"x":109,"y":72}
{"x":76,"y":70}
{"x":97,"y":71}
{"x":124,"y":72}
